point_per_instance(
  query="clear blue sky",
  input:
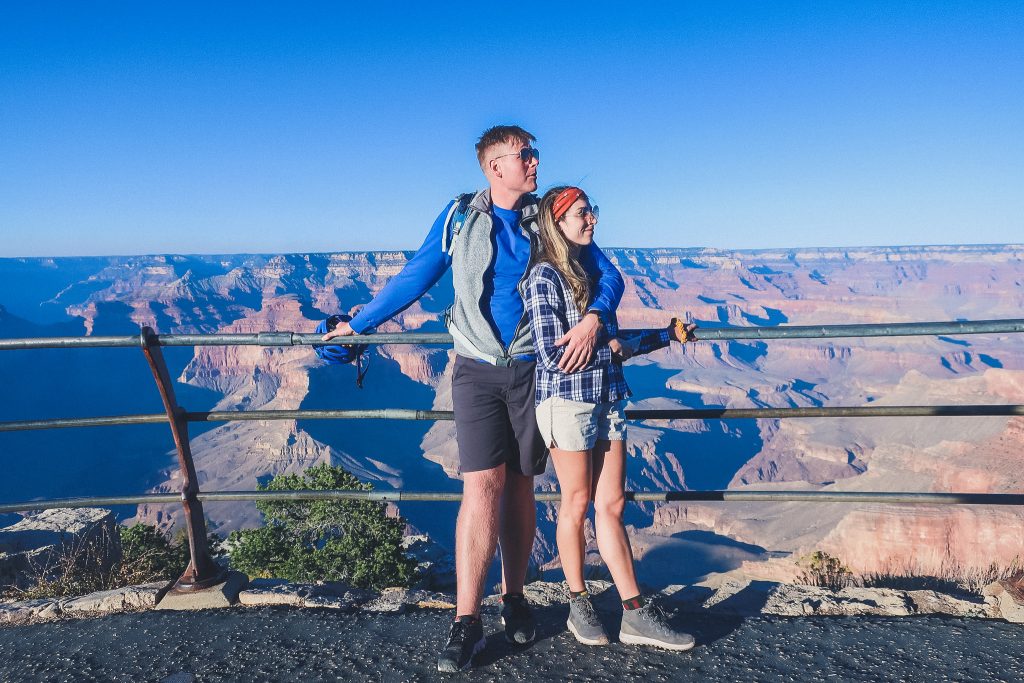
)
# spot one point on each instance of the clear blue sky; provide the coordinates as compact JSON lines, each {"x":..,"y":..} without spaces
{"x":293,"y":127}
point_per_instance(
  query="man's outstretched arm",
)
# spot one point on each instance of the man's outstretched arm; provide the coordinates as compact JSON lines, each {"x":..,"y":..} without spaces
{"x":581,"y":340}
{"x":421,"y":273}
{"x":610,"y":285}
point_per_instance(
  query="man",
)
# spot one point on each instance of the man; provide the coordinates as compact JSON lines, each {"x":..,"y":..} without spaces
{"x":486,"y":240}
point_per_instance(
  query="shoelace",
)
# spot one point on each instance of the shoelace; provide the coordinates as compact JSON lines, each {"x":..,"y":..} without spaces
{"x":655,"y":614}
{"x":457,"y":634}
{"x":587,"y":612}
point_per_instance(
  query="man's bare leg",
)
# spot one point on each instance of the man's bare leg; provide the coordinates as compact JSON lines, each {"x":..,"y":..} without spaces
{"x":518,"y":527}
{"x":476,"y":536}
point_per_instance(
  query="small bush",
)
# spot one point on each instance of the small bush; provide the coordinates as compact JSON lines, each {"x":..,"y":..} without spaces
{"x":148,"y":555}
{"x":822,"y":569}
{"x":308,"y":541}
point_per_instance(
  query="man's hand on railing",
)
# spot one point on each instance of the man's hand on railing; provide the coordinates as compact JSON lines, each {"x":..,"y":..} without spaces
{"x":342,"y":330}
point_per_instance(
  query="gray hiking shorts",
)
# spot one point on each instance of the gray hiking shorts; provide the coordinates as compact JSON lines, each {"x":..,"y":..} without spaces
{"x":495,"y":418}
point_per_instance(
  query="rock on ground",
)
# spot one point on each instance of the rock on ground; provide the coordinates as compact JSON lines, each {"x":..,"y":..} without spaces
{"x":127,"y":599}
{"x":38,"y":543}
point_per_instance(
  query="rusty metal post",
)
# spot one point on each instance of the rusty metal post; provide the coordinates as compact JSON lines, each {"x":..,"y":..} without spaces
{"x":202,"y":571}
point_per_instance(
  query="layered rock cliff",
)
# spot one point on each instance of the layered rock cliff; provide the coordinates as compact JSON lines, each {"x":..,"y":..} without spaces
{"x":712,"y":287}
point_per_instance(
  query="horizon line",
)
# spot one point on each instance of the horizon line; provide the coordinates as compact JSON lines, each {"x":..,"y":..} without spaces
{"x":894,"y":247}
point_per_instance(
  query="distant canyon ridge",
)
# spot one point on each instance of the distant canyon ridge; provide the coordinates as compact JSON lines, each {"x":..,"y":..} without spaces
{"x":251,"y":293}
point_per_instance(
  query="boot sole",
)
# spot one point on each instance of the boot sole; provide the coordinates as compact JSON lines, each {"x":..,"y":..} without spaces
{"x":643,"y":640}
{"x":450,"y":667}
{"x":603,"y":640}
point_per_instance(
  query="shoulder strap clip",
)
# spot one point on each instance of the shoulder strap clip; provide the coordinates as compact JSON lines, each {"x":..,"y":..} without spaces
{"x":454,"y":221}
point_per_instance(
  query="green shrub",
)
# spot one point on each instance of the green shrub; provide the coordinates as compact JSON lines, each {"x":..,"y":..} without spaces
{"x":148,"y":555}
{"x":323,"y":540}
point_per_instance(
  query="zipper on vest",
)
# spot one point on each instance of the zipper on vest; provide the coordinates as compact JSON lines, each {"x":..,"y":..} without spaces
{"x":519,"y":288}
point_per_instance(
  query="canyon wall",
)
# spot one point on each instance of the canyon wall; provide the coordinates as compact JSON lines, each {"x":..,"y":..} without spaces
{"x":250,"y":293}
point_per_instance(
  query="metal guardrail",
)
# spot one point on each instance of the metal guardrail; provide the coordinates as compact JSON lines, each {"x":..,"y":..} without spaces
{"x":440,"y":415}
{"x":425,"y":338}
{"x":728,"y":495}
{"x":202,"y":571}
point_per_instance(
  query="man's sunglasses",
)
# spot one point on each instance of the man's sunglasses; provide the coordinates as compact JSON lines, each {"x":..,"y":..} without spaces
{"x":525,"y":154}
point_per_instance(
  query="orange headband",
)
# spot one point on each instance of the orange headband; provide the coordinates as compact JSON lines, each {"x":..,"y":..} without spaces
{"x":564,"y":200}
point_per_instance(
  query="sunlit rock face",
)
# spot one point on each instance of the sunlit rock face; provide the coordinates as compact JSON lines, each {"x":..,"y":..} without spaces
{"x":250,"y":293}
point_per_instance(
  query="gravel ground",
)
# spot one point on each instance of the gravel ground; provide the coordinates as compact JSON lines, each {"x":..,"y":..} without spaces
{"x":324,"y":645}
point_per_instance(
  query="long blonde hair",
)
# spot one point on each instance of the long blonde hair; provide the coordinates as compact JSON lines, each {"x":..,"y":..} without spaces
{"x":555,"y":249}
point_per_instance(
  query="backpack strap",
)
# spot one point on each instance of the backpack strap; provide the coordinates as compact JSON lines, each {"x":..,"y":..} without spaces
{"x":454,"y":221}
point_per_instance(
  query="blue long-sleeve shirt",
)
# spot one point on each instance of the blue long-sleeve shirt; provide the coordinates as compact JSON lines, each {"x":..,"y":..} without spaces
{"x":430,"y":262}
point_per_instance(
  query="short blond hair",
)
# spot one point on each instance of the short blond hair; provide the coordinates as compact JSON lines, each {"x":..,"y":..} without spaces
{"x":498,"y":135}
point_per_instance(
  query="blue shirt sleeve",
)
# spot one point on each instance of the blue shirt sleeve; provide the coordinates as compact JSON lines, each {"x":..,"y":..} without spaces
{"x":609,"y":280}
{"x":421,"y":273}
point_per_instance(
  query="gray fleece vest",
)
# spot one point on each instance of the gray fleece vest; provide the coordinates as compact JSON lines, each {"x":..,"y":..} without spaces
{"x":472,"y":250}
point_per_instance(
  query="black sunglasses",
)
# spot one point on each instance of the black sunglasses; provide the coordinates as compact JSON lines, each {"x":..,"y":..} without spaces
{"x":525,"y":154}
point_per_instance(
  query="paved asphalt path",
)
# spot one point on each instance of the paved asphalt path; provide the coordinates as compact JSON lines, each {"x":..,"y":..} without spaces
{"x":280,"y":644}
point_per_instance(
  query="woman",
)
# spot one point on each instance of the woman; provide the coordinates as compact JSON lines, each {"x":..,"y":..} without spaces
{"x":580,"y":416}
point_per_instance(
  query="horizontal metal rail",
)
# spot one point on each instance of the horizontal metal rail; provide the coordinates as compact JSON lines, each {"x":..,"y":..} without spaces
{"x":896,"y":498}
{"x":68,"y":422}
{"x":409,"y":414}
{"x":705,"y":334}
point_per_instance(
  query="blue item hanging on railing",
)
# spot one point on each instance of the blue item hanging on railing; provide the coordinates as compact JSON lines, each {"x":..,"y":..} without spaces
{"x":334,"y":354}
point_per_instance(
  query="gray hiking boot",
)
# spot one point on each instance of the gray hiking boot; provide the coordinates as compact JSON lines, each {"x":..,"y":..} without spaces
{"x":648,"y":625}
{"x":583,"y":622}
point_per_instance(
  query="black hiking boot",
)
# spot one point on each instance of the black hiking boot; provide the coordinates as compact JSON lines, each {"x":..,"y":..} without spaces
{"x":465,"y":640}
{"x":520,"y":627}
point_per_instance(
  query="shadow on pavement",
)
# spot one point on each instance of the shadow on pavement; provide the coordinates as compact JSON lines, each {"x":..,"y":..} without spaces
{"x":705,"y":627}
{"x":550,"y":624}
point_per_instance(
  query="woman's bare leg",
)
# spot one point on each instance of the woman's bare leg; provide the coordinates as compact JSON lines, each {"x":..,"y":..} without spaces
{"x":609,"y":480}
{"x":574,"y":480}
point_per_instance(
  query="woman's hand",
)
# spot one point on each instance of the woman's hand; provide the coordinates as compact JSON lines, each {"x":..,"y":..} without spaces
{"x":681,"y":331}
{"x":620,"y":351}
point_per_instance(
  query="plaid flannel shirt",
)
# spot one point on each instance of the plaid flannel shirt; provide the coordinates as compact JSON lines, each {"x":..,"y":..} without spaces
{"x":552,"y":313}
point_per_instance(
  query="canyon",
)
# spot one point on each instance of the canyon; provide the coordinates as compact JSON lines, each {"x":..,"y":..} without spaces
{"x":675,"y":542}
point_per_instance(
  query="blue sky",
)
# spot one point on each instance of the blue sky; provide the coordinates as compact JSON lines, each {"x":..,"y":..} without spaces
{"x":221,"y":128}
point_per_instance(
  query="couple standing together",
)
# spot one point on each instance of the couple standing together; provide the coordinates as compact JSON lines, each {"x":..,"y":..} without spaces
{"x":538,"y":368}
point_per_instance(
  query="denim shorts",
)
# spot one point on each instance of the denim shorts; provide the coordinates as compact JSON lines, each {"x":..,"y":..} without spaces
{"x":576,"y":426}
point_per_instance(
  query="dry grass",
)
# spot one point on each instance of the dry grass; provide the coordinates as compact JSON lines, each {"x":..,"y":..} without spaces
{"x":82,"y":567}
{"x":952,"y":576}
{"x":75,"y":569}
